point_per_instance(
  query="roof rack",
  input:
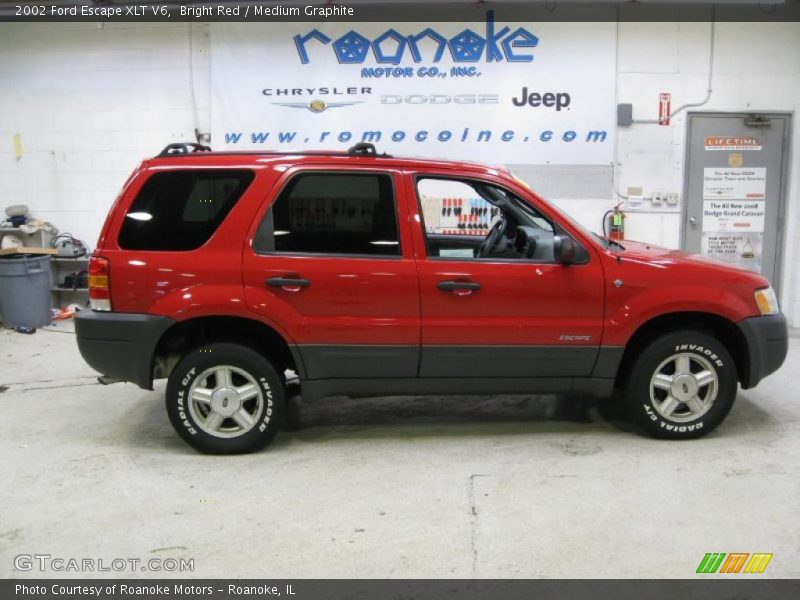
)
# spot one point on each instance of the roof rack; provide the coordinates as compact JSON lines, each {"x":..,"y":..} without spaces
{"x":183,"y":148}
{"x":188,"y":148}
{"x":365,"y":149}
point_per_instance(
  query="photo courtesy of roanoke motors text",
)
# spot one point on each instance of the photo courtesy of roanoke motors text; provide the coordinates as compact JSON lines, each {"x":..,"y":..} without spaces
{"x":378,"y":299}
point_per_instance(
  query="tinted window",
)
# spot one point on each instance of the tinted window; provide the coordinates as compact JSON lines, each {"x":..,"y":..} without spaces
{"x":326,"y":213}
{"x":181,"y":210}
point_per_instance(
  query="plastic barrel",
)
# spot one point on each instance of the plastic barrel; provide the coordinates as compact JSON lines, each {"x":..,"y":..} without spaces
{"x":25,"y":290}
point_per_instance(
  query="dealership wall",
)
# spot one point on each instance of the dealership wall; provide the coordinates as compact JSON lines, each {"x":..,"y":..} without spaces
{"x":89,"y":102}
{"x":755,"y":69}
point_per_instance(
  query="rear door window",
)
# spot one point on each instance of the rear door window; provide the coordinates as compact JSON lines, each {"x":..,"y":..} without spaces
{"x":181,"y":210}
{"x":332,"y":213}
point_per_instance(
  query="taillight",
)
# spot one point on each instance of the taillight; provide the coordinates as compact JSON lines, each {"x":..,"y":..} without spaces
{"x":99,"y":284}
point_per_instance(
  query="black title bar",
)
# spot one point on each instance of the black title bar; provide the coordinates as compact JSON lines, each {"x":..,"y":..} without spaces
{"x":740,"y":587}
{"x":131,"y":11}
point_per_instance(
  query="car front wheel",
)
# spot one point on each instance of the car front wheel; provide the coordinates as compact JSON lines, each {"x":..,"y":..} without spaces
{"x":682,"y":385}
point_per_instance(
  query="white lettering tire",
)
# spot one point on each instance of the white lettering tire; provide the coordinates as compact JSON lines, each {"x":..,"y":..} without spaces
{"x":225,"y":399}
{"x":681,"y":385}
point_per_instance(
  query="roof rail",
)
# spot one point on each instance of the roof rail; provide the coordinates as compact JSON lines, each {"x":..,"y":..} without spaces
{"x":187,"y":148}
{"x":365,"y":149}
{"x":183,"y":148}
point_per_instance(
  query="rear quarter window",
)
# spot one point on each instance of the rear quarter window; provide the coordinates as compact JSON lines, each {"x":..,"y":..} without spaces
{"x":181,"y":210}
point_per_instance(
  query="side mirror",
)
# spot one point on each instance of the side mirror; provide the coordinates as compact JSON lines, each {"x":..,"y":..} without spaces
{"x":564,"y":249}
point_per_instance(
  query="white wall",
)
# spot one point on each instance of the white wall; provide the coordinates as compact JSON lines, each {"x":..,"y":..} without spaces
{"x":91,"y":102}
{"x":756,"y":68}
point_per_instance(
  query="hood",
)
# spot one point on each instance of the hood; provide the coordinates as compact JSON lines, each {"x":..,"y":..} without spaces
{"x":653,"y":253}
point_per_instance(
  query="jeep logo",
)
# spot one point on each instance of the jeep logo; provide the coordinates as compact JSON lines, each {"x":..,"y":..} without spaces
{"x":557,"y":100}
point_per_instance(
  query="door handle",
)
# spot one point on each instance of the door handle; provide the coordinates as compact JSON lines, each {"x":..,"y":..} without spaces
{"x":692,"y":220}
{"x":459,"y":288}
{"x":290,"y":284}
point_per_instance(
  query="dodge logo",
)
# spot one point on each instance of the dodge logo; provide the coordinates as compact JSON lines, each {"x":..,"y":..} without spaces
{"x":440,"y":99}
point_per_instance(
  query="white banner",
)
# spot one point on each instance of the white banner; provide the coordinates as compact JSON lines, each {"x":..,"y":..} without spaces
{"x":734,"y":183}
{"x":740,"y":249}
{"x":495,"y":92}
{"x":733,"y":215}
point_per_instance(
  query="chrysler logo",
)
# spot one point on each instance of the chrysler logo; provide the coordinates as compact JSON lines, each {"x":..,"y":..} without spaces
{"x":316,"y":106}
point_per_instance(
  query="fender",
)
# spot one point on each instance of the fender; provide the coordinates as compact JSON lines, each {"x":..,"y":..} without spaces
{"x":211,"y":301}
{"x":646,"y":303}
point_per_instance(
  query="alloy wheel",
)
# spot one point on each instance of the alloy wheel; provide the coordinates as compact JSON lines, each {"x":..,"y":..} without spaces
{"x":684,"y":387}
{"x":225,"y":401}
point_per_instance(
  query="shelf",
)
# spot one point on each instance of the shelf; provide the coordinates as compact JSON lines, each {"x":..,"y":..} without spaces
{"x":38,"y":250}
{"x":18,"y":230}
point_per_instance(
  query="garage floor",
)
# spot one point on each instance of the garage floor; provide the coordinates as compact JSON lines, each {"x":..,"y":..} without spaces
{"x":538,"y":486}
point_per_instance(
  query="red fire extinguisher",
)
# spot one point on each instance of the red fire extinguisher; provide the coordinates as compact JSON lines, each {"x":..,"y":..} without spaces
{"x":614,"y":224}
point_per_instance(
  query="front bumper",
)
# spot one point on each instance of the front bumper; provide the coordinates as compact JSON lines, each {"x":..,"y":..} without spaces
{"x":767,"y":344}
{"x":120,"y":345}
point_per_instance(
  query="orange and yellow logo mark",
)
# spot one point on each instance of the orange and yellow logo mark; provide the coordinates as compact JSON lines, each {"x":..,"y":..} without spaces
{"x":735,"y":562}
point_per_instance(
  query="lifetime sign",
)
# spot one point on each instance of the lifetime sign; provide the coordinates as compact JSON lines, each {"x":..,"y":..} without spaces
{"x":392,"y":47}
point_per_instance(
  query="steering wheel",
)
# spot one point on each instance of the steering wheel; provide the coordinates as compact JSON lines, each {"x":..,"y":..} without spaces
{"x":494,"y":239}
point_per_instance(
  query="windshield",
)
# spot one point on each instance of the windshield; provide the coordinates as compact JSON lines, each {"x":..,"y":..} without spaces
{"x":569,"y":219}
{"x":607,"y":243}
{"x":586,"y":232}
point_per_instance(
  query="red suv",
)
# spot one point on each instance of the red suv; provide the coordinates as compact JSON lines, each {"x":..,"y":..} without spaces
{"x":368,"y":275}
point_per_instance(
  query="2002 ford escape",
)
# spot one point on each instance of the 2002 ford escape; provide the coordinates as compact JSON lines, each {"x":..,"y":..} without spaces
{"x":364,"y":275}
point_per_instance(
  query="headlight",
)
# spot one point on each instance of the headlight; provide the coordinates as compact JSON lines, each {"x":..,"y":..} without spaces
{"x":767,"y":301}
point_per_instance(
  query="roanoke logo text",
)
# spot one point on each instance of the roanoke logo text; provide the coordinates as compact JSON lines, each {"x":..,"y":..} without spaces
{"x":391,"y":47}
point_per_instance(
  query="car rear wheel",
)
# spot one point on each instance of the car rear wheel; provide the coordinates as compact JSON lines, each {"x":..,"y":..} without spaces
{"x":225,"y":399}
{"x":682,"y":385}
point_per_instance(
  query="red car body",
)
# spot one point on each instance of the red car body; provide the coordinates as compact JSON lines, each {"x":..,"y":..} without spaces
{"x":382,"y":325}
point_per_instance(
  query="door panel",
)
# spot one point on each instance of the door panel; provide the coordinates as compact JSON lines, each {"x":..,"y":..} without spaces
{"x":734,"y":189}
{"x":509,"y":318}
{"x":507,"y":361}
{"x":352,"y":316}
{"x":517,"y":324}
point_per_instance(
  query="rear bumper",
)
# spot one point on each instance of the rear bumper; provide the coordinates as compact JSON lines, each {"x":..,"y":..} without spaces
{"x":120,"y":345}
{"x":767,"y":344}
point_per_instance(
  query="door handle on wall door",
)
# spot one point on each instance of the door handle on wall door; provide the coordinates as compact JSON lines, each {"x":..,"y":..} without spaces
{"x":692,"y":220}
{"x":290,"y":284}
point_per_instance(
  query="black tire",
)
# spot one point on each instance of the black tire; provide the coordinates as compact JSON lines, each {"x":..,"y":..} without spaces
{"x":224,"y":368}
{"x":662,"y":414}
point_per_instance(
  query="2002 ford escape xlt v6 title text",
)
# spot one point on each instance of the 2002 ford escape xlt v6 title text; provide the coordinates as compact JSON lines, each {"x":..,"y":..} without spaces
{"x":369,"y":275}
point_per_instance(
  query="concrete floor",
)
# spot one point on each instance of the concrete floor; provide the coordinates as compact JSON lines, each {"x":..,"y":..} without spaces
{"x":539,"y":486}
